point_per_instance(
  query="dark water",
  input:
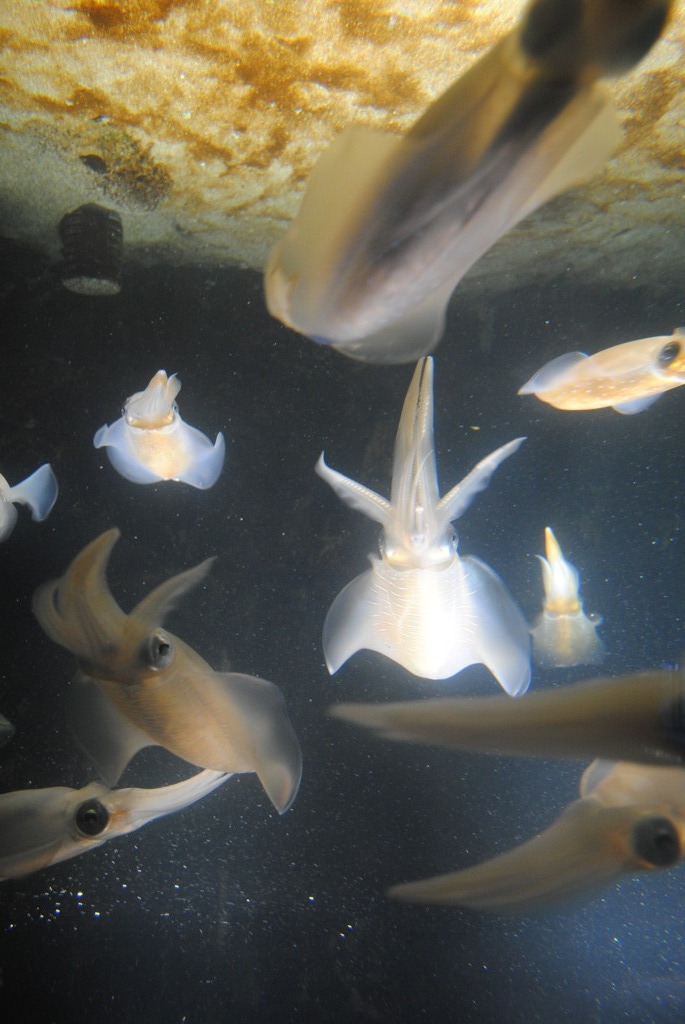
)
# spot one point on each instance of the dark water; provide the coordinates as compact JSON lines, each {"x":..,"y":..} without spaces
{"x":226,"y":912}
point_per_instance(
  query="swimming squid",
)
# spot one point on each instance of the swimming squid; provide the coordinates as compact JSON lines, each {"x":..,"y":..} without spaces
{"x":631,"y":815}
{"x":563,"y":635}
{"x":628,"y":377}
{"x":630,"y":818}
{"x":638,"y":717}
{"x":421,"y":604}
{"x":6,"y":730}
{"x":151,"y":442}
{"x":38,"y":491}
{"x":389,"y":224}
{"x":40,"y":827}
{"x":139,"y":685}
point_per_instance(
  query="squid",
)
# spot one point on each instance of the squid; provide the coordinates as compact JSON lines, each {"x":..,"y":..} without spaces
{"x":389,"y":224}
{"x":39,"y":491}
{"x":631,"y":813}
{"x":41,"y":827}
{"x":563,"y":635}
{"x":421,"y":604}
{"x":139,"y":685}
{"x":630,"y":818}
{"x":151,"y":442}
{"x":638,"y":717}
{"x":627,"y":378}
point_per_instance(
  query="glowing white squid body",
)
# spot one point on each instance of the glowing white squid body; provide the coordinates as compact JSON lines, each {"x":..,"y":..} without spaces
{"x":420,"y":604}
{"x":38,"y":491}
{"x":151,"y":442}
{"x":563,"y":634}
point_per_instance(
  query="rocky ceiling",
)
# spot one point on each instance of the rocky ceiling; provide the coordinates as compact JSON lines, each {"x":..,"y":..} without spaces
{"x":199,"y":122}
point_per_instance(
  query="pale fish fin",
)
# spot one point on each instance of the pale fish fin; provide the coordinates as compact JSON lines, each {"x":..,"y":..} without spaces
{"x":409,"y":337}
{"x":636,"y":405}
{"x":105,"y":735}
{"x":269,"y":737}
{"x":585,"y":134}
{"x":585,"y":849}
{"x":361,"y":499}
{"x":503,"y":643}
{"x":156,"y":605}
{"x":551,"y":375}
{"x":208,"y":459}
{"x":453,"y":504}
{"x":38,"y":491}
{"x":348,"y":626}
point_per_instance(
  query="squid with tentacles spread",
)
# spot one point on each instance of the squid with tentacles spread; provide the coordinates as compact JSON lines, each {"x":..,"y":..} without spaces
{"x":422,"y":604}
{"x":151,"y":442}
{"x":139,"y":685}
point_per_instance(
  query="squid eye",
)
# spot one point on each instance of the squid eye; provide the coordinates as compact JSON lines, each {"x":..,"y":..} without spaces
{"x":656,"y":841}
{"x":160,"y":651}
{"x":668,"y":353}
{"x":91,"y":818}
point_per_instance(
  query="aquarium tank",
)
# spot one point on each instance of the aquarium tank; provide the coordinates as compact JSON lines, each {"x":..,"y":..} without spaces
{"x":341,"y":362}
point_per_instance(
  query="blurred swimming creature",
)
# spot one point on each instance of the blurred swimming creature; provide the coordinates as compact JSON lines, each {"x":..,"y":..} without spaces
{"x":39,"y":491}
{"x":390,"y":224}
{"x":6,"y":730}
{"x":420,"y":604}
{"x":630,"y":818}
{"x":563,"y":634}
{"x":139,"y":685}
{"x":151,"y":442}
{"x":40,"y":827}
{"x":628,"y":377}
{"x":638,"y":717}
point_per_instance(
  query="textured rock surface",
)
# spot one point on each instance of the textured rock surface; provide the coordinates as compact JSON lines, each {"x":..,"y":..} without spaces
{"x":199,"y":122}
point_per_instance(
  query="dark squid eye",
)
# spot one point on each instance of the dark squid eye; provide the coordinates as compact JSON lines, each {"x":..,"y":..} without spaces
{"x":668,"y":353}
{"x":160,"y":651}
{"x":91,"y":818}
{"x":656,"y":841}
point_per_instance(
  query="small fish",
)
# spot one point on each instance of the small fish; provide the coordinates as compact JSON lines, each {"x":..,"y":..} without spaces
{"x":139,"y":685}
{"x":421,"y":604}
{"x":628,"y":377}
{"x":40,"y":827}
{"x":6,"y":730}
{"x":390,"y":224}
{"x":563,"y":635}
{"x":151,"y":442}
{"x":38,"y":491}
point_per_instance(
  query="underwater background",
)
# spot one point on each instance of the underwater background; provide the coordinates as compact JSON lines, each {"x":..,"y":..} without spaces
{"x":226,"y":912}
